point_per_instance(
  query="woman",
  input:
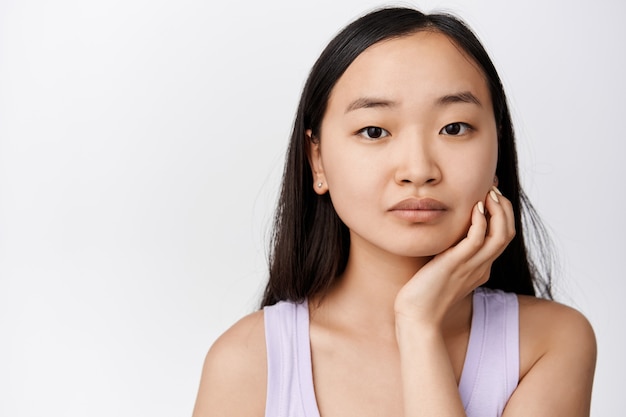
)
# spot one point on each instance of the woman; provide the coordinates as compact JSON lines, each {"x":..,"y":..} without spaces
{"x":400,"y":282}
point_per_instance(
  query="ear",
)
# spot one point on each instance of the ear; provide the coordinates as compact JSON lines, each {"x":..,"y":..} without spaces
{"x":314,"y":153}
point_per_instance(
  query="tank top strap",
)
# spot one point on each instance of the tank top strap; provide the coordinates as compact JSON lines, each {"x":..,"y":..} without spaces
{"x":491,"y":368}
{"x":290,"y":391}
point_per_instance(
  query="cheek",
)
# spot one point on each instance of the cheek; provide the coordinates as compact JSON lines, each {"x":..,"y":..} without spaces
{"x":474,"y":173}
{"x":355,"y":188}
{"x":347,"y":178}
{"x":348,"y":167}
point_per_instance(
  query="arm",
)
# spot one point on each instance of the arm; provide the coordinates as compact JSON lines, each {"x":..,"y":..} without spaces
{"x":233,"y":382}
{"x":429,"y":383}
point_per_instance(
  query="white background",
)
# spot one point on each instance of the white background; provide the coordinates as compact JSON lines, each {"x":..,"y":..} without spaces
{"x":141,"y":146}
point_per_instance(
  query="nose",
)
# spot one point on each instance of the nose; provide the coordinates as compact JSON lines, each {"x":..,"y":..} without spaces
{"x":417,"y":161}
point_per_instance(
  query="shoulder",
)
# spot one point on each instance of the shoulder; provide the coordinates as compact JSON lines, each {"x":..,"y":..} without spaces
{"x":234,"y":376}
{"x":557,"y":360}
{"x":549,"y":325}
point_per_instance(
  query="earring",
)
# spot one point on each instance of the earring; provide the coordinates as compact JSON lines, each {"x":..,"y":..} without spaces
{"x":495,"y":179}
{"x":319,"y":185}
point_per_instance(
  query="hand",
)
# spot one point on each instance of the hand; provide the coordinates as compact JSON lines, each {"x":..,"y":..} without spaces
{"x":453,"y":274}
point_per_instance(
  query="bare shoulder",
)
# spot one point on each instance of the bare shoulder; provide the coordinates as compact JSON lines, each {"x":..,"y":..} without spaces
{"x":549,"y":325}
{"x":234,"y":376}
{"x":557,"y":361}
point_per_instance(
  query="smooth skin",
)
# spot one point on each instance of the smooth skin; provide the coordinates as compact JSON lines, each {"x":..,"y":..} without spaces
{"x":410,"y":119}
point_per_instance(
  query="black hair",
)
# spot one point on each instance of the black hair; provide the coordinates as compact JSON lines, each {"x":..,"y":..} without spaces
{"x":310,"y":244}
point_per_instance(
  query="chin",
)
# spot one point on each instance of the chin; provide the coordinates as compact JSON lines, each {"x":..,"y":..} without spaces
{"x":428,"y":251}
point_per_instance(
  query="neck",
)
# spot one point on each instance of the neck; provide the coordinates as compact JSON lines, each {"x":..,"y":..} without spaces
{"x":364,"y":295}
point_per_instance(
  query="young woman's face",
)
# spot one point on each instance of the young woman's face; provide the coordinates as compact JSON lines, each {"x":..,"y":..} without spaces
{"x":408,"y":145}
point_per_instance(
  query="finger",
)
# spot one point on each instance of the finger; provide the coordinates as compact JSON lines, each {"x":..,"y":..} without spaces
{"x":501,"y":228}
{"x":478,"y":228}
{"x":475,"y":237}
{"x":507,"y":209}
{"x":507,"y":206}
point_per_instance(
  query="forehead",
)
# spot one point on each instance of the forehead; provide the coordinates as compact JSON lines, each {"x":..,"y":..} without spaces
{"x":421,"y":66}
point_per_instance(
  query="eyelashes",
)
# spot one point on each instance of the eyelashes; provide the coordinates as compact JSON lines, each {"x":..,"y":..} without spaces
{"x":451,"y":129}
{"x":373,"y":132}
{"x":455,"y":129}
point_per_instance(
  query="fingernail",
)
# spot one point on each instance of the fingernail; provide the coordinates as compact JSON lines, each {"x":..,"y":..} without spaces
{"x":481,"y":207}
{"x":494,"y":196}
{"x":496,"y":189}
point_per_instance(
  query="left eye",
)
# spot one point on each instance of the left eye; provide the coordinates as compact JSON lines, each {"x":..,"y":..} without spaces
{"x":455,"y":129}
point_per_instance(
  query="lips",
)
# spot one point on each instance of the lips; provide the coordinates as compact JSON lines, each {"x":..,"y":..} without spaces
{"x":419,"y":210}
{"x":419,"y":204}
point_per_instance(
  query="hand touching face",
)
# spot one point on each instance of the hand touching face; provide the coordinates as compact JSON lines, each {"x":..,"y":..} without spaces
{"x":454,"y":273}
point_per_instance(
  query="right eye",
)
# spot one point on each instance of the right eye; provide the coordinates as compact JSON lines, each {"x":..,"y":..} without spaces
{"x":373,"y":132}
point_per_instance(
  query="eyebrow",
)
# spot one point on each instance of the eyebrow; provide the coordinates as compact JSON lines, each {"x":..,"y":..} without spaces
{"x":372,"y":102}
{"x":368,"y":103}
{"x":462,"y":97}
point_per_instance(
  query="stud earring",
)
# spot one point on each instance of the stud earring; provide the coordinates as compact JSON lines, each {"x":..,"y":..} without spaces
{"x":495,"y":179}
{"x":319,"y":185}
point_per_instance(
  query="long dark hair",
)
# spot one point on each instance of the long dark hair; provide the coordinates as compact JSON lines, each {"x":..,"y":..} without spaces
{"x":310,"y":244}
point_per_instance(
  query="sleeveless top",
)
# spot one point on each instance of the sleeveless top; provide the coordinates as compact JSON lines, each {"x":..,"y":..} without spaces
{"x":490,"y":371}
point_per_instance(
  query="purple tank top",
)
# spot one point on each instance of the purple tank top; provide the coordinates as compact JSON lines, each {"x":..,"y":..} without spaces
{"x":490,"y":372}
